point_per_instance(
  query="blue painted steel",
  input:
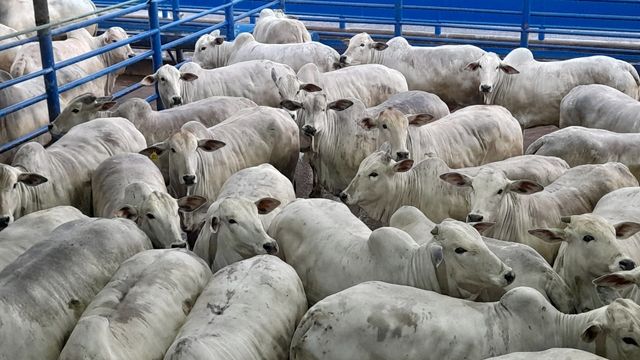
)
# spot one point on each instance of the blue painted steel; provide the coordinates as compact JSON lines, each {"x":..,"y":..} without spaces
{"x":41,"y":13}
{"x":156,"y":41}
{"x":397,"y":27}
{"x":228,"y":19}
{"x":175,"y":12}
{"x":524,"y":30}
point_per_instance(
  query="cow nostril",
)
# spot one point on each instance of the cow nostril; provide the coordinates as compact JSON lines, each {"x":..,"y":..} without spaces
{"x":343,"y":197}
{"x":309,"y":130}
{"x":510,"y":276}
{"x":627,"y":264}
{"x":474,"y":218}
{"x":343,"y":59}
{"x":4,"y":221}
{"x":181,"y":245}
{"x":189,"y":179}
{"x":485,"y":88}
{"x":271,"y":248}
{"x":130,"y":56}
{"x":177,"y":100}
{"x":402,"y":155}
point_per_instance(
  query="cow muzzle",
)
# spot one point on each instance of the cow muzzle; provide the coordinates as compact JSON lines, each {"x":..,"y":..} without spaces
{"x":176,"y":101}
{"x":510,"y":277}
{"x":179,"y":245}
{"x":471,"y":218}
{"x":402,"y":155}
{"x":626,"y":264}
{"x":344,"y":60}
{"x":485,"y":88}
{"x":189,"y":180}
{"x":309,"y":130}
{"x":271,"y":248}
{"x":4,"y":222}
{"x":344,"y":197}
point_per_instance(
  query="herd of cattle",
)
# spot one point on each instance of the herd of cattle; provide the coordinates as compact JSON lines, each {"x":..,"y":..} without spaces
{"x":487,"y":250}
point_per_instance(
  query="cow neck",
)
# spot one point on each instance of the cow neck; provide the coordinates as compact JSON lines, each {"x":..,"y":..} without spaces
{"x":514,"y":213}
{"x":405,"y":189}
{"x":224,"y":256}
{"x":579,"y":282}
{"x":494,"y":98}
{"x":29,"y":199}
{"x":422,"y":273}
{"x":224,"y":54}
{"x":569,"y":328}
{"x":106,"y":60}
{"x":377,"y":57}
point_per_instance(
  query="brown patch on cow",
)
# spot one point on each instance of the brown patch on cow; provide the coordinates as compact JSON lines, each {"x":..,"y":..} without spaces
{"x":392,"y":320}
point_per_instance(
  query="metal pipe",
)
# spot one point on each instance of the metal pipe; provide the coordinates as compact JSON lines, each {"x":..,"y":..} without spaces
{"x":156,"y":41}
{"x":230,"y":25}
{"x":397,"y":29}
{"x":41,"y":12}
{"x":175,"y":11}
{"x":524,"y":31}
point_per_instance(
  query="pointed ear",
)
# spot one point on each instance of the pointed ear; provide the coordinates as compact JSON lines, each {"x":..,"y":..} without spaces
{"x":436,"y":254}
{"x":378,"y":46}
{"x":472,"y":66}
{"x":106,"y":105}
{"x":291,"y":105}
{"x":549,"y":235}
{"x":210,"y":144}
{"x":127,"y":212}
{"x":340,"y":105}
{"x":310,"y":87}
{"x":626,"y":229}
{"x":457,"y":179}
{"x":483,"y":226}
{"x":266,"y":205}
{"x":188,"y":76}
{"x":274,"y":76}
{"x":191,"y":203}
{"x":403,"y":165}
{"x":367,"y":123}
{"x":158,"y":149}
{"x":148,"y":80}
{"x":616,"y":280}
{"x":32,"y":179}
{"x":525,"y":187}
{"x":508,"y":69}
{"x":592,"y":332}
{"x":215,"y":224}
{"x":420,"y":119}
{"x":215,"y":33}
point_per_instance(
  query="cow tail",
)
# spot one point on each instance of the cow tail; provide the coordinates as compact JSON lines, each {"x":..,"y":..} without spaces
{"x":535,"y":146}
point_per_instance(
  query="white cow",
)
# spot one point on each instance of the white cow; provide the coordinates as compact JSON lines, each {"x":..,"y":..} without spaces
{"x":56,"y":279}
{"x":382,"y":321}
{"x":438,"y":70}
{"x":519,"y":205}
{"x":555,"y":354}
{"x":412,"y":102}
{"x":274,"y":27}
{"x":155,"y":125}
{"x":30,"y":229}
{"x":331,"y":249}
{"x":139,"y":312}
{"x":601,"y":107}
{"x":250,"y":79}
{"x":41,"y":178}
{"x":622,"y":206}
{"x":132,"y":187}
{"x":19,"y":14}
{"x":235,"y":224}
{"x":589,"y":249}
{"x":533,"y":90}
{"x":213,"y":52}
{"x":532,"y":269}
{"x":7,"y":56}
{"x":382,"y":185}
{"x":249,"y":310}
{"x":78,"y":42}
{"x":490,"y":133}
{"x":251,"y":137}
{"x":595,"y":146}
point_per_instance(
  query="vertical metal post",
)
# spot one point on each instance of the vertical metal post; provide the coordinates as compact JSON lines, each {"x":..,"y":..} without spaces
{"x":41,"y":13}
{"x":175,"y":13}
{"x":524,"y":30}
{"x":283,"y":4}
{"x":398,"y":18}
{"x":342,"y":24}
{"x":156,"y":41}
{"x":230,"y":26}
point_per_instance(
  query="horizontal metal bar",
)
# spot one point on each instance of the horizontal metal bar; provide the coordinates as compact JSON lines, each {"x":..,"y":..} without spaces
{"x":584,"y":16}
{"x":342,"y":4}
{"x":192,"y":36}
{"x":23,"y":104}
{"x":24,"y":78}
{"x":458,"y":9}
{"x":23,"y":139}
{"x":193,"y":17}
{"x":255,"y":11}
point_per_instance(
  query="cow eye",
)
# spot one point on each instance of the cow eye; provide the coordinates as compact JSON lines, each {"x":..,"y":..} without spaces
{"x":630,"y":341}
{"x":588,"y":238}
{"x":75,"y":111}
{"x":162,"y":79}
{"x":15,"y":185}
{"x":460,"y":250}
{"x":150,"y":216}
{"x":384,"y":126}
{"x":173,"y":150}
{"x":373,"y":174}
{"x":114,"y":41}
{"x":361,"y":45}
{"x":232,"y":221}
{"x":499,"y":191}
{"x":203,"y":48}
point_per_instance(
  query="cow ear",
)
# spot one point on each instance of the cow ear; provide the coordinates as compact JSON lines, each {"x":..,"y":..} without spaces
{"x":483,"y":226}
{"x":148,"y":80}
{"x":626,"y":229}
{"x":188,"y":76}
{"x":525,"y":187}
{"x":548,"y":235}
{"x":215,"y":224}
{"x":508,"y":69}
{"x":472,"y":66}
{"x":310,"y":87}
{"x":592,"y":332}
{"x":157,"y":149}
{"x":32,"y":179}
{"x":378,"y":46}
{"x":340,"y":105}
{"x":217,"y":41}
{"x":106,"y":105}
{"x":436,"y":254}
{"x":274,"y":76}
{"x":403,"y":165}
{"x":367,"y":123}
{"x":617,"y":280}
{"x":457,"y":179}
{"x":210,"y":144}
{"x":420,"y":119}
{"x":127,"y":212}
{"x":215,"y":33}
{"x":191,"y":203}
{"x":266,"y":205}
{"x":291,"y":105}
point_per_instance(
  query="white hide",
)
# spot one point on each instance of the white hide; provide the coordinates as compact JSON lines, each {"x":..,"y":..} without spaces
{"x":274,"y":27}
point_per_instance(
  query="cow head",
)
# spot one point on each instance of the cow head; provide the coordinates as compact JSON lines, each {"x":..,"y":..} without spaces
{"x":182,"y":148}
{"x":490,"y":191}
{"x":393,"y":127}
{"x":313,"y":110}
{"x":12,"y":183}
{"x":469,"y":262}
{"x":81,"y":109}
{"x":234,"y":223}
{"x":168,"y":79}
{"x":490,"y":68}
{"x":290,"y":87}
{"x":113,"y":35}
{"x":374,"y":178}
{"x":361,"y":50}
{"x":210,"y":51}
{"x":618,"y":327}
